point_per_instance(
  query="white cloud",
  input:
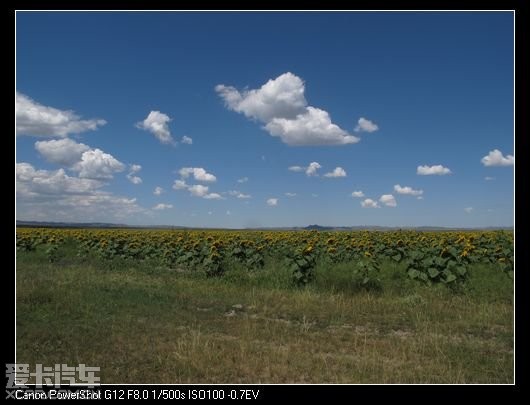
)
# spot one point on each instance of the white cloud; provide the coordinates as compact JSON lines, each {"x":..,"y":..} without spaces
{"x":180,"y":185}
{"x":468,"y":210}
{"x":242,"y":180}
{"x":290,"y":194}
{"x":198,"y":190}
{"x":280,"y":97}
{"x":63,"y":152}
{"x":365,"y":125}
{"x":228,"y":213}
{"x":131,"y":177}
{"x":357,"y":194}
{"x":296,"y":168}
{"x":198,"y":173}
{"x":388,"y":200}
{"x":420,"y":197}
{"x":55,"y":196}
{"x":157,"y":123}
{"x":213,"y":196}
{"x":36,"y":119}
{"x":433,"y":170}
{"x":407,"y":190}
{"x":488,"y":178}
{"x":186,"y":140}
{"x":495,"y":158}
{"x":369,"y":203}
{"x":158,"y":190}
{"x":312,"y":169}
{"x":338,"y":172}
{"x":281,"y":105}
{"x":162,"y":206}
{"x":96,"y":164}
{"x":272,"y":202}
{"x":239,"y":194}
{"x":313,"y":127}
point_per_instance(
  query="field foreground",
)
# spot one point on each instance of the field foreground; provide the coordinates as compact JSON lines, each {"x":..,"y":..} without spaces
{"x":147,"y":321}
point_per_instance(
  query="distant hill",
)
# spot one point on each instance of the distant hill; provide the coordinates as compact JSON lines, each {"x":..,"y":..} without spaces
{"x":103,"y":225}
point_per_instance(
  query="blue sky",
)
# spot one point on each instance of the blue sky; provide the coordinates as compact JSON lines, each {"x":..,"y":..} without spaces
{"x":274,"y":100}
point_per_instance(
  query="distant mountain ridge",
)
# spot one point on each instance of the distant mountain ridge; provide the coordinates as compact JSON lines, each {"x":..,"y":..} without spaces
{"x":104,"y":225}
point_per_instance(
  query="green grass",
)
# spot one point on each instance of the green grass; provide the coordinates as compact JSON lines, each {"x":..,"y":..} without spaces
{"x":142,"y":323}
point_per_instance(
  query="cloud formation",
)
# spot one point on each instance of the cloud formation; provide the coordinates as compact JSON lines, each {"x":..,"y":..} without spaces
{"x":495,"y":158}
{"x":131,"y":175}
{"x":272,"y":202}
{"x":281,"y":105}
{"x":52,"y":195}
{"x":407,"y":190}
{"x":158,"y":190}
{"x":357,"y":194}
{"x":198,"y":173}
{"x":388,"y":200}
{"x":64,"y":152}
{"x":157,"y":123}
{"x":35,"y":119}
{"x":369,"y":203}
{"x":96,"y":164}
{"x":160,"y":207}
{"x":337,"y":172}
{"x":364,"y":125}
{"x":438,"y":170}
{"x":186,"y":140}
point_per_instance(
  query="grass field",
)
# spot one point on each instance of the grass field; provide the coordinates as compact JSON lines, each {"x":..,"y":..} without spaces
{"x":144,"y":323}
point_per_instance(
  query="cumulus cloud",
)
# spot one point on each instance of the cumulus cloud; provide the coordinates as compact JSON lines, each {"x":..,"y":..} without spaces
{"x":280,"y":97}
{"x":357,"y":194}
{"x":388,"y":200}
{"x":495,"y":158}
{"x":272,"y":202}
{"x":242,"y":180}
{"x":239,"y":194}
{"x":198,"y":173}
{"x":158,"y":190}
{"x":314,"y":127}
{"x":364,"y":125}
{"x":196,"y":190}
{"x":35,"y":119}
{"x":180,"y":185}
{"x":157,"y":123}
{"x":338,"y":172}
{"x":311,"y":170}
{"x":369,"y":203}
{"x":64,"y":152}
{"x":407,"y":190}
{"x":131,"y":175}
{"x":468,"y":210}
{"x":55,"y":196}
{"x":96,"y":164}
{"x":290,"y":194}
{"x":433,"y":170}
{"x":161,"y":206}
{"x":281,"y":105}
{"x":186,"y":140}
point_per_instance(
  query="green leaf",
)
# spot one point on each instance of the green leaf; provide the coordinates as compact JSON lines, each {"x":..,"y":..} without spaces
{"x":413,"y":273}
{"x":433,"y":273}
